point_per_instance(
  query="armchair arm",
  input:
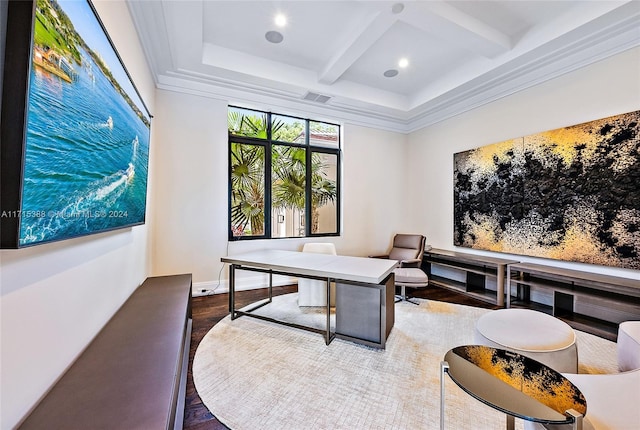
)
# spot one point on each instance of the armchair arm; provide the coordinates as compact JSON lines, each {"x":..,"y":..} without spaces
{"x":414,"y":262}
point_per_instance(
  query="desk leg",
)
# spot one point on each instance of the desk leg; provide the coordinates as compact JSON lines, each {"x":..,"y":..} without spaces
{"x":500,"y":285}
{"x":270,"y":287}
{"x":444,"y":368}
{"x":232,"y":288}
{"x":511,"y":422}
{"x":328,"y":336}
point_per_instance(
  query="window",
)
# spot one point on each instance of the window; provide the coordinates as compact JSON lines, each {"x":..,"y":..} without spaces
{"x":284,"y":176}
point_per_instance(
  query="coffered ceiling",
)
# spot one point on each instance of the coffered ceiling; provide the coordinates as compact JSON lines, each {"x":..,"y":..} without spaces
{"x":334,"y":55}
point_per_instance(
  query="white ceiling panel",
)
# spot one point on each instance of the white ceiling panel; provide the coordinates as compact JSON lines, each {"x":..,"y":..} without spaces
{"x":311,"y":35}
{"x":428,"y":57}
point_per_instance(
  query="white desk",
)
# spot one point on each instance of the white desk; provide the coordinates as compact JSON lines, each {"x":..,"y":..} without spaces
{"x":364,"y":290}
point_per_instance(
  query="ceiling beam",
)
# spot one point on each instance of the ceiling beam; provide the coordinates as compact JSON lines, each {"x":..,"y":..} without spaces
{"x":360,"y":40}
{"x":448,"y":23}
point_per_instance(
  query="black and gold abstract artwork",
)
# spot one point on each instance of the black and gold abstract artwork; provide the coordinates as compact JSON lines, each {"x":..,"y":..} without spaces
{"x":570,"y":194}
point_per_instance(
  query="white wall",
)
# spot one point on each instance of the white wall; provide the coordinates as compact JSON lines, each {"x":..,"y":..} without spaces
{"x":190,"y":227}
{"x":603,"y":89}
{"x":375,"y":192}
{"x":56,"y":297}
{"x":190,"y":217}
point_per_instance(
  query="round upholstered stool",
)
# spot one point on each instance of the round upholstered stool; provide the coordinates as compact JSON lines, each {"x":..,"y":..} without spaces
{"x":411,"y":277}
{"x":628,"y":345}
{"x":530,"y":333}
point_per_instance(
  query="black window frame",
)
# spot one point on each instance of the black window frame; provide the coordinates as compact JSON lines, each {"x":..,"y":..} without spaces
{"x":268,"y":144}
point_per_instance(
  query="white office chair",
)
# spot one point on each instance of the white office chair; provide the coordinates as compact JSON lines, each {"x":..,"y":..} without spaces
{"x":313,"y":292}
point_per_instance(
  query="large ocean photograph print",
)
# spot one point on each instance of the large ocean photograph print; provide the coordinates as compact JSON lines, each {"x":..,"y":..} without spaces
{"x":87,"y":133}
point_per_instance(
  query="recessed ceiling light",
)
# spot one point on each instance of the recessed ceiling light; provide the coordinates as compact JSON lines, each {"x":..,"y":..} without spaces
{"x":274,"y":36}
{"x":390,"y":73}
{"x":403,"y":63}
{"x":280,"y":20}
{"x":397,"y":8}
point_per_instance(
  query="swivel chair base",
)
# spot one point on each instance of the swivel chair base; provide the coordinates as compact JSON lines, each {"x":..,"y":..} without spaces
{"x":409,"y":277}
{"x":403,"y":296}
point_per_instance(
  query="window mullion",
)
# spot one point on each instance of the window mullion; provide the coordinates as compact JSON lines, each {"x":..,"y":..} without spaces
{"x":268,"y":180}
{"x":307,"y":188}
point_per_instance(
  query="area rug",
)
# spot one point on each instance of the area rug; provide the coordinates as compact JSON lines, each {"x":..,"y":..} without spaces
{"x":254,"y":374}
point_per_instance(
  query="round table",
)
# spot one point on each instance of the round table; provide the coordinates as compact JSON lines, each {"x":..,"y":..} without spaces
{"x":514,"y":384}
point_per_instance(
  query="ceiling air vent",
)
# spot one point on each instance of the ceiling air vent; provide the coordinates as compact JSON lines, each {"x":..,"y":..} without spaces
{"x":315,"y":97}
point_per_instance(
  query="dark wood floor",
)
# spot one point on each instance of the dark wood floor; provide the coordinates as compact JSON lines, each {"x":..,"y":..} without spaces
{"x":209,"y":310}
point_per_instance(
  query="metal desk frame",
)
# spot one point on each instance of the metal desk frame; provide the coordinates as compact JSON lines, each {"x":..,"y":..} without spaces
{"x":236,"y":313}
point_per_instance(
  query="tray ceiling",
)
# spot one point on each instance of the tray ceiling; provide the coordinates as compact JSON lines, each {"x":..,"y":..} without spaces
{"x":460,"y":54}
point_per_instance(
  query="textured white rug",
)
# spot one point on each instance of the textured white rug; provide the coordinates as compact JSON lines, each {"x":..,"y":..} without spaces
{"x":253,"y":374}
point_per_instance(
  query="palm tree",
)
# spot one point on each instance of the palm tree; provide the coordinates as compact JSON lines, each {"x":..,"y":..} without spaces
{"x":288,"y":177}
{"x":289,"y":174}
{"x":247,"y":189}
{"x":323,"y":190}
{"x":247,"y":125}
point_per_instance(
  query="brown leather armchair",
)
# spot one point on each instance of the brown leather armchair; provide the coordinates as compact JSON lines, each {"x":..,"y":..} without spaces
{"x":407,"y":249}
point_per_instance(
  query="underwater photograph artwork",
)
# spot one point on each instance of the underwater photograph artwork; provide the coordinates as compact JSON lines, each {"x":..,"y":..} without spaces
{"x":569,"y":194}
{"x":87,"y":131}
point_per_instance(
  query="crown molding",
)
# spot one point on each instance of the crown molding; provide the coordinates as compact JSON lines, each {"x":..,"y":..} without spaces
{"x":281,"y":101}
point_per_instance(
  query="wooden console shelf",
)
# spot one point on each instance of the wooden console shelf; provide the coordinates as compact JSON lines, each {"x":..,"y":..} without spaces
{"x":590,"y":302}
{"x":467,"y":273}
{"x":133,"y":374}
{"x":587,"y":301}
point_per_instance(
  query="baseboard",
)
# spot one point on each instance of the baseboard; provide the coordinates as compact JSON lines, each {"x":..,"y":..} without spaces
{"x":208,"y":288}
